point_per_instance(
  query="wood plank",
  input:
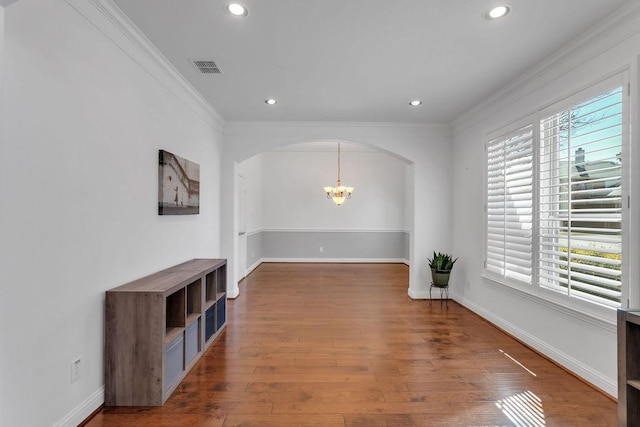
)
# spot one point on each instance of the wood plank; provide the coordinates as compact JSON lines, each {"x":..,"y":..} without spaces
{"x":171,"y":333}
{"x":163,"y":282}
{"x":131,"y":377}
{"x":634,"y":383}
{"x":197,"y":264}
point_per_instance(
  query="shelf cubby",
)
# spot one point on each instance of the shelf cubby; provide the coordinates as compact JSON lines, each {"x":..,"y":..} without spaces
{"x":194,"y":301}
{"x":221,"y":273}
{"x":174,"y":312}
{"x":211,"y":284}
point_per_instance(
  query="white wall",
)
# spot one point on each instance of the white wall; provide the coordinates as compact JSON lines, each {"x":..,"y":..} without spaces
{"x":302,"y":175}
{"x":427,"y":146}
{"x":83,"y":124}
{"x":251,"y":170}
{"x":3,"y":320}
{"x":296,"y":219}
{"x":293,"y":196}
{"x":584,"y":344}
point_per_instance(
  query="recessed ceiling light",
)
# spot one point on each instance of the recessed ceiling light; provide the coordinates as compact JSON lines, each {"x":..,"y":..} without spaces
{"x":271,"y":101}
{"x":237,"y":10}
{"x":415,"y":103}
{"x":498,"y":12}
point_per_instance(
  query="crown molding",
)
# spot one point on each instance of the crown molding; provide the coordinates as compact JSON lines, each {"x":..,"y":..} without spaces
{"x":605,"y":35}
{"x":117,"y":27}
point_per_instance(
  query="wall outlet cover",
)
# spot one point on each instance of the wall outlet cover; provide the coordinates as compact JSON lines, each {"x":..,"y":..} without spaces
{"x":75,"y":369}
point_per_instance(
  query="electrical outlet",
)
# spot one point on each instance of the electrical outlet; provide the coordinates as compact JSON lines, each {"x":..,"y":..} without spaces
{"x":75,"y":369}
{"x":321,"y":249}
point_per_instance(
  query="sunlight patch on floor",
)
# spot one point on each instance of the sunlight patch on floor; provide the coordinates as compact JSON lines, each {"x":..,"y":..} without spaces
{"x":518,"y":363}
{"x":523,"y":409}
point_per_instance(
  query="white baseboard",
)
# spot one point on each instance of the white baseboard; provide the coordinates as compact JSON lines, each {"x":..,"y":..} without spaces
{"x":82,"y":411}
{"x":413,"y":294}
{"x":608,"y":385}
{"x":253,"y":267}
{"x":233,"y":293}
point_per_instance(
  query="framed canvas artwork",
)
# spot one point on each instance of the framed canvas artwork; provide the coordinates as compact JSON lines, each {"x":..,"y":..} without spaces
{"x":178,"y":185}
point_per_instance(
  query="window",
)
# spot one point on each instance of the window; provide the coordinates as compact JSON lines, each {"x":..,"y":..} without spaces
{"x":554,"y":198}
{"x":580,"y":200}
{"x":510,"y":204}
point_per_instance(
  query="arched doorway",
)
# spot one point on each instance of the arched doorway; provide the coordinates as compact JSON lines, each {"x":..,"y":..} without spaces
{"x":425,"y":149}
{"x":283,"y":214}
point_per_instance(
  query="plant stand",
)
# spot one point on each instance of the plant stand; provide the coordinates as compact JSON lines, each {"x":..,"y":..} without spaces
{"x":444,"y":290}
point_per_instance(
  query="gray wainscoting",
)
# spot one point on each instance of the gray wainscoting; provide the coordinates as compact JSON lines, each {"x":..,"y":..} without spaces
{"x":296,"y":245}
{"x":254,"y":248}
{"x":406,"y":245}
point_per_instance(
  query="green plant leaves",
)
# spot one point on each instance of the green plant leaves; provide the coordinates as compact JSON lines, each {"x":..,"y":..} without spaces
{"x":441,"y":261}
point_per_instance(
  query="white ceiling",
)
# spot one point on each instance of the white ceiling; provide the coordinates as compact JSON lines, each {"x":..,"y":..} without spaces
{"x":358,"y":60}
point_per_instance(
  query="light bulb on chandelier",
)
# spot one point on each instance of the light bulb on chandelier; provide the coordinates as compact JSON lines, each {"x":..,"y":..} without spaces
{"x":339,"y":193}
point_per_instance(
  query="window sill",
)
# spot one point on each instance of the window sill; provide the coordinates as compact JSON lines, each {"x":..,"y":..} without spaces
{"x":602,"y":317}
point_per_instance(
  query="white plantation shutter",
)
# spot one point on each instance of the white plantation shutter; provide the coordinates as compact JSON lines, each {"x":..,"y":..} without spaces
{"x":580,"y":200}
{"x":509,"y":206}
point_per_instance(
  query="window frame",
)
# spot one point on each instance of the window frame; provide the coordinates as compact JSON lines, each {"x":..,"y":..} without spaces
{"x":534,"y":289}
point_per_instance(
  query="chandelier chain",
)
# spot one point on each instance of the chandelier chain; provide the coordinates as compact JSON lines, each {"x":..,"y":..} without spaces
{"x":338,"y":161}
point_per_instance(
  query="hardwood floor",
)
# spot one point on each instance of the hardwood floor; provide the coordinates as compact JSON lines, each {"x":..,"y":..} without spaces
{"x":343,"y":345}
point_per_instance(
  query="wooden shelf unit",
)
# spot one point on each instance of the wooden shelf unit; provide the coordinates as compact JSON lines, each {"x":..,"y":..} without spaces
{"x":628,"y":367}
{"x":157,"y":328}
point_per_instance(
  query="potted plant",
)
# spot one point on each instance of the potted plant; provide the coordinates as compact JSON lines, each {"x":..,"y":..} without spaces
{"x":441,"y":265}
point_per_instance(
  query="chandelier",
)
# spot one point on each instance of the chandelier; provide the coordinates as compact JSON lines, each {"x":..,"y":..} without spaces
{"x":339,"y":193}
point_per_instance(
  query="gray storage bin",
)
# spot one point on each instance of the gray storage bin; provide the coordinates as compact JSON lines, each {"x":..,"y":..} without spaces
{"x":173,"y":360}
{"x":192,"y":346}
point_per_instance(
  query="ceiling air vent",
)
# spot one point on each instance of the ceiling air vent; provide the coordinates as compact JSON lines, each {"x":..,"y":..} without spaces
{"x":206,"y":66}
